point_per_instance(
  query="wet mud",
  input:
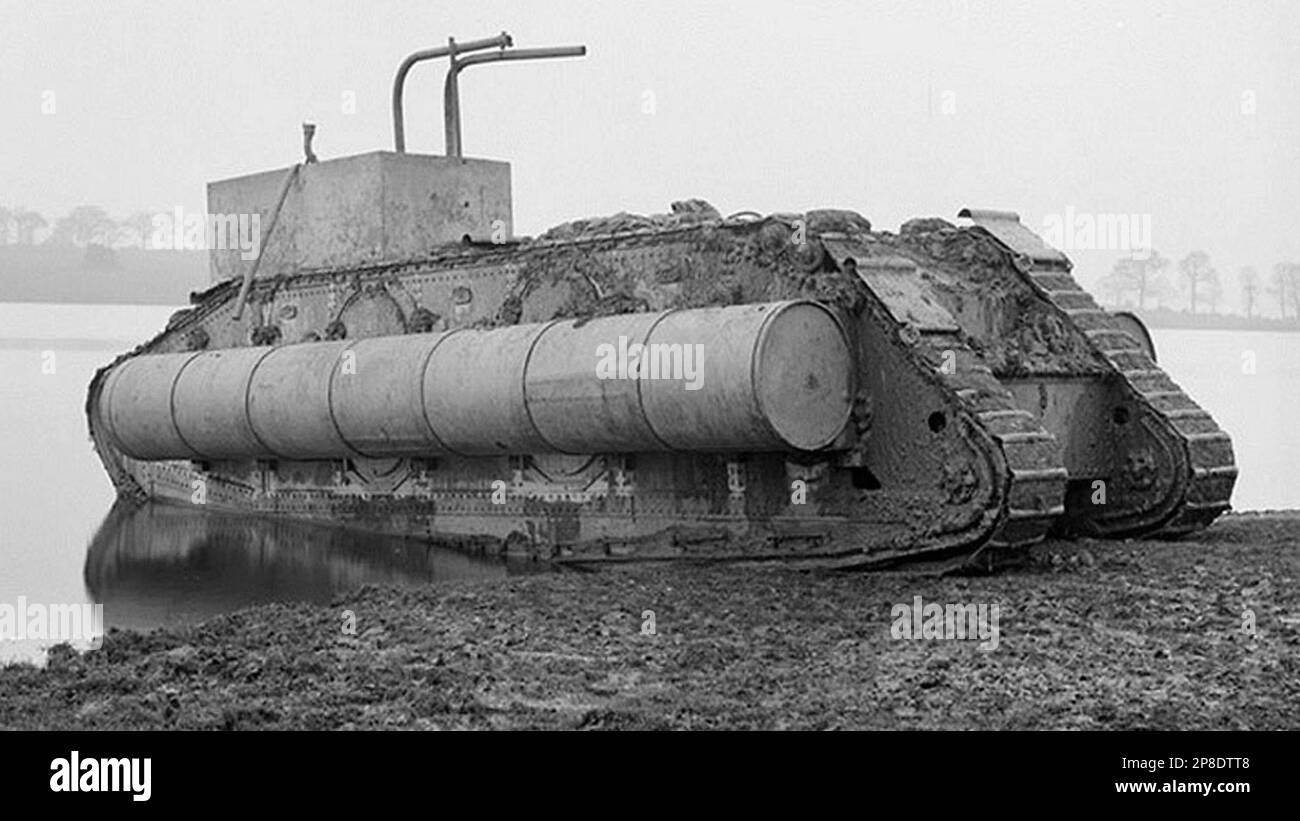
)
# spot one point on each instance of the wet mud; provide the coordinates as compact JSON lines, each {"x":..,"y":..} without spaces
{"x":1202,"y":633}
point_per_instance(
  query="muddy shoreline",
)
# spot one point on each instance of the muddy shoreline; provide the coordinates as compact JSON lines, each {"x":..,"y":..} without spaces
{"x":1198,"y":634}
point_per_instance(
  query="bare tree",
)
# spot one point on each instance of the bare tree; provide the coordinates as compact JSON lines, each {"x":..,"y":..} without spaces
{"x":1120,"y":282}
{"x":1163,"y":291}
{"x":1144,"y":274}
{"x":27,"y":224}
{"x":1282,"y":287}
{"x":1248,"y":280}
{"x":1213,"y":292}
{"x":1196,"y":274}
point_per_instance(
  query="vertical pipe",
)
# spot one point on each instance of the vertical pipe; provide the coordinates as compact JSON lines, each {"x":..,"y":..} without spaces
{"x":451,"y":88}
{"x":399,"y":82}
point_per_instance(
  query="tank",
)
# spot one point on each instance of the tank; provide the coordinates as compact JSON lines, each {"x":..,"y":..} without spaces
{"x":794,"y":387}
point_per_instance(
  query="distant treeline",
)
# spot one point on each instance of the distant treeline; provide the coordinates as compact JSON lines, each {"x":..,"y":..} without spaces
{"x":88,"y":256}
{"x":94,"y":274}
{"x":82,"y":226}
{"x":1141,"y":280}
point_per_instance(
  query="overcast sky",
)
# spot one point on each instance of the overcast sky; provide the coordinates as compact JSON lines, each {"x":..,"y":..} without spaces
{"x":1188,"y":112}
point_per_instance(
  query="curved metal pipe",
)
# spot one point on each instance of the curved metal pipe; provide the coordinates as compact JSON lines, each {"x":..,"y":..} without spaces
{"x":399,"y":126}
{"x":451,"y":90}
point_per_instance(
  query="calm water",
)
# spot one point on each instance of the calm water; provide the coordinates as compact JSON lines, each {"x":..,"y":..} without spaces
{"x":62,"y":540}
{"x":1250,"y":382}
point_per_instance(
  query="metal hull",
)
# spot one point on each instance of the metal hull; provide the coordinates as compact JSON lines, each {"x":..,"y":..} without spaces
{"x":946,"y":457}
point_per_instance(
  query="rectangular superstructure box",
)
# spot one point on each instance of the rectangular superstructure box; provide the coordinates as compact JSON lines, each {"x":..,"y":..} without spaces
{"x":367,"y":208}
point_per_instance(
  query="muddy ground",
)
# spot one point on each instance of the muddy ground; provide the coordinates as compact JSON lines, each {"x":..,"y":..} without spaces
{"x":1199,"y":634}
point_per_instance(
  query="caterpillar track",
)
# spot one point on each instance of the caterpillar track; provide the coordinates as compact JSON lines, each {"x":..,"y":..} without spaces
{"x":1194,"y":485}
{"x":394,"y":360}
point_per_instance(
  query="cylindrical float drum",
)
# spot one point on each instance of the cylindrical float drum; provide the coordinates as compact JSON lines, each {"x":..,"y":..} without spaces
{"x":289,"y":401}
{"x":775,"y":376}
{"x":474,"y":392}
{"x":378,"y":396}
{"x":210,"y":403}
{"x":578,"y":398}
{"x":135,"y":407}
{"x":772,"y":376}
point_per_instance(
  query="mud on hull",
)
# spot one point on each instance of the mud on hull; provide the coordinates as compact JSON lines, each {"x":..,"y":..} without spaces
{"x":947,"y":457}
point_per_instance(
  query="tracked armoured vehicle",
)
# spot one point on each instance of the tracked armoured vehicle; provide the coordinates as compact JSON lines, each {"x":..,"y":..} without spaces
{"x":795,"y":387}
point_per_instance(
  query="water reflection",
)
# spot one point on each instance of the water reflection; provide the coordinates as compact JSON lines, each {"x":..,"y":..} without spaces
{"x":154,"y":564}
